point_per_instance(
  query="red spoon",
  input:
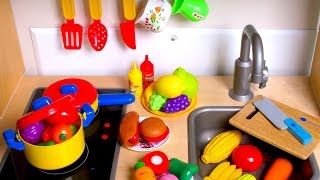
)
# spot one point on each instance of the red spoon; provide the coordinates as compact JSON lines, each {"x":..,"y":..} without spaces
{"x":97,"y":32}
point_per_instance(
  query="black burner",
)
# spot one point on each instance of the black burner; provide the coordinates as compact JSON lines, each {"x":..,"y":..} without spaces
{"x":101,"y":141}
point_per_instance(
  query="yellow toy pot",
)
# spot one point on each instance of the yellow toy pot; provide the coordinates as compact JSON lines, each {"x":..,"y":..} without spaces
{"x":59,"y":155}
{"x":56,"y":156}
{"x":67,"y":102}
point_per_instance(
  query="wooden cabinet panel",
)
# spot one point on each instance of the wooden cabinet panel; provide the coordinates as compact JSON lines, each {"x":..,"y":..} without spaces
{"x":315,"y":71}
{"x":11,"y":67}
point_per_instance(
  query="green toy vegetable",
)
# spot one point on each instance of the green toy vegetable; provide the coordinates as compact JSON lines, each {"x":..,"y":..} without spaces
{"x":74,"y":129}
{"x":48,"y":143}
{"x":157,"y":101}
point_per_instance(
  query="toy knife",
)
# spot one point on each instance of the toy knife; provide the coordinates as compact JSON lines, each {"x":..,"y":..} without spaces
{"x":282,"y":121}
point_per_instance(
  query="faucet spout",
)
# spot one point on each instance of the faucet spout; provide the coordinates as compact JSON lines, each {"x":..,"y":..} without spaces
{"x":249,"y":71}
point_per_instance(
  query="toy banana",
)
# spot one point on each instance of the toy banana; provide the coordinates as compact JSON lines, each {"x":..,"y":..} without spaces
{"x":224,"y":171}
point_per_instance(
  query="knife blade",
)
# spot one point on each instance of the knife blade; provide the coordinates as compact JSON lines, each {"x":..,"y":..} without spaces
{"x":279,"y":119}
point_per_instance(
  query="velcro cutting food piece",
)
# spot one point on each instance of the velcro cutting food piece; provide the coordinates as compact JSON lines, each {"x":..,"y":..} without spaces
{"x":272,"y":112}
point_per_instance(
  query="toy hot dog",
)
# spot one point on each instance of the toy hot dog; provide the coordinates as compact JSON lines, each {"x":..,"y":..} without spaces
{"x":129,"y":131}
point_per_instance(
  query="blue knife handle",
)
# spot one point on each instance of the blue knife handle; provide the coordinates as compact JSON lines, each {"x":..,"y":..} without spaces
{"x":115,"y":99}
{"x":298,"y":131}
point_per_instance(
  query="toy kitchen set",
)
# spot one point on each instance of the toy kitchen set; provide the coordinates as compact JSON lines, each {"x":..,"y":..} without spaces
{"x":109,"y":93}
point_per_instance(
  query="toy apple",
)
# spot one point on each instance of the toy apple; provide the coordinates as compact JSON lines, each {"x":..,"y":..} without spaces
{"x":247,"y":157}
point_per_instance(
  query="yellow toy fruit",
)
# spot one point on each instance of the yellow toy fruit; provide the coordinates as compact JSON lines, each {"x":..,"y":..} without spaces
{"x":189,"y":80}
{"x":247,"y":177}
{"x":218,"y":170}
{"x":221,"y":146}
{"x":169,"y":86}
{"x":235,"y":174}
{"x":224,"y":171}
{"x":148,"y":92}
{"x":227,"y":172}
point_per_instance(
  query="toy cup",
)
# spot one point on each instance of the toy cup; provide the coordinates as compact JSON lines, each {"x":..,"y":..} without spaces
{"x":193,"y":10}
{"x":155,"y":15}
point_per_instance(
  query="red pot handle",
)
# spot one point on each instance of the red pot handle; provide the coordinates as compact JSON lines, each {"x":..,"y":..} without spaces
{"x":44,"y":112}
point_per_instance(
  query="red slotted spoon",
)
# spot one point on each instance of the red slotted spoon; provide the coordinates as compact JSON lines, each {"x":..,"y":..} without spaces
{"x":71,"y":33}
{"x":97,"y":32}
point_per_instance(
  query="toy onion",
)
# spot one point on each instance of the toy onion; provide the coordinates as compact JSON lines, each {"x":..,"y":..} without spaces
{"x":32,"y":133}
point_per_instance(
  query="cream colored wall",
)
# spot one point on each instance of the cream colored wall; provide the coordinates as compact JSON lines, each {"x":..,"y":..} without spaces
{"x":11,"y":68}
{"x":227,"y":14}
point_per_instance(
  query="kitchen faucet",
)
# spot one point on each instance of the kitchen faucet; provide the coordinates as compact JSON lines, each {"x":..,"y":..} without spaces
{"x":247,"y":71}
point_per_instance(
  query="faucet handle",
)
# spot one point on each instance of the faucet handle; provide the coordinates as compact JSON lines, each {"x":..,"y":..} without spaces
{"x":265,"y":77}
{"x":262,"y":85}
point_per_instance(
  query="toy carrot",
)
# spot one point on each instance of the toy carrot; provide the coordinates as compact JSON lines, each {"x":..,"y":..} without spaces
{"x":143,"y":172}
{"x":280,"y":169}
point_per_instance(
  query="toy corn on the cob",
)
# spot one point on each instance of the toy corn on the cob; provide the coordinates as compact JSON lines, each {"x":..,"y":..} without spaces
{"x":221,"y":146}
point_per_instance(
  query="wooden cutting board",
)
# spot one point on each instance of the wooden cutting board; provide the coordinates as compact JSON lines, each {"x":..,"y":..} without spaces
{"x":260,"y":127}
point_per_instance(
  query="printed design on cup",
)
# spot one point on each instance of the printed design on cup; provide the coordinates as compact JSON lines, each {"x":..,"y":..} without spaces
{"x":197,"y":16}
{"x":155,"y":18}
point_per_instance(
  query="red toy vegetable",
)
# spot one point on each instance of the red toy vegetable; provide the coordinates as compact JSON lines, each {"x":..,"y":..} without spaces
{"x":46,"y":134}
{"x":307,"y":170}
{"x":247,"y":157}
{"x":32,"y":133}
{"x":157,"y":161}
{"x":60,"y":133}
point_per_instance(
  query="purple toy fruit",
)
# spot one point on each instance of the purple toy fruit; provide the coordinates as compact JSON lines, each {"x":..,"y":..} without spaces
{"x":32,"y":133}
{"x":167,"y":177}
{"x":176,"y":104}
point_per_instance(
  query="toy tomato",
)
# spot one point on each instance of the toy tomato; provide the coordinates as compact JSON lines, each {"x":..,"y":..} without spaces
{"x":46,"y":134}
{"x":60,"y":132}
{"x":307,"y":170}
{"x":247,"y":157}
{"x":157,"y":161}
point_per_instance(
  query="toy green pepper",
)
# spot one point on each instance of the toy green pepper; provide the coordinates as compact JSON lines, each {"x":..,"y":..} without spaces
{"x":183,"y":170}
{"x":48,"y":143}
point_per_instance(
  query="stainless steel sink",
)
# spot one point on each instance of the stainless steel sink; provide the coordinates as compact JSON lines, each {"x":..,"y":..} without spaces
{"x":206,"y":122}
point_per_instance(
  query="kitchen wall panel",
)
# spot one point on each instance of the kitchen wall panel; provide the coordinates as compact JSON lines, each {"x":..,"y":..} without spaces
{"x":279,"y":15}
{"x":201,"y":51}
{"x":11,"y":67}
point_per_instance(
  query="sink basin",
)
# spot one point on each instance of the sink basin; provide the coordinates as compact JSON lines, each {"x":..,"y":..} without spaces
{"x":206,"y":122}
